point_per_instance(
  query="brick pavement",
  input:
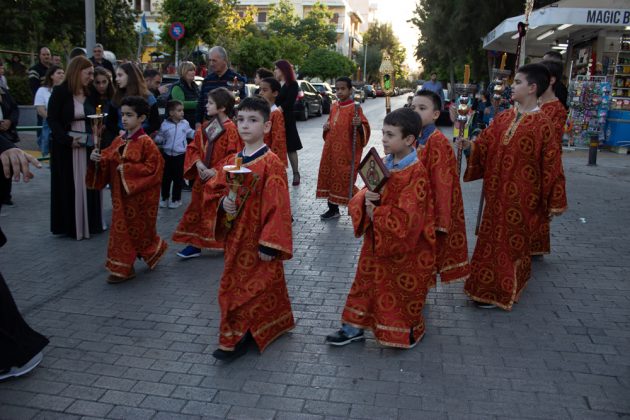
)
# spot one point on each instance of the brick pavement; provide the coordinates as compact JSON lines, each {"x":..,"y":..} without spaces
{"x":142,"y":349}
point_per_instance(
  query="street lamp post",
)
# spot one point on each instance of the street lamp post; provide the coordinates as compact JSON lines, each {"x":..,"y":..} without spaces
{"x":365,"y":45}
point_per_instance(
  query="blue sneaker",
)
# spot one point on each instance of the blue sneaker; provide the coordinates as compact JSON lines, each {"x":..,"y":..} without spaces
{"x":189,"y":252}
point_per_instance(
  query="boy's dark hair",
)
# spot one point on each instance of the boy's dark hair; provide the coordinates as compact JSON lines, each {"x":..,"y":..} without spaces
{"x":407,"y":120}
{"x":263,"y":72}
{"x":555,"y":70}
{"x":224,"y":99}
{"x":554,"y":55}
{"x":139,"y":105}
{"x":256,"y":104}
{"x":150,"y":73}
{"x":273,"y":84}
{"x":171,"y":105}
{"x":538,"y":74}
{"x":435,"y":99}
{"x":345,"y":80}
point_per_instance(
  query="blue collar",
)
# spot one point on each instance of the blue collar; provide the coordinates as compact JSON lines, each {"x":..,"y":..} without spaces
{"x":259,"y":153}
{"x":404,"y":162}
{"x":424,"y":135}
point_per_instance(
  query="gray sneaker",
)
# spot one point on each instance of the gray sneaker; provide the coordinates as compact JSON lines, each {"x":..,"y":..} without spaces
{"x":15,"y":371}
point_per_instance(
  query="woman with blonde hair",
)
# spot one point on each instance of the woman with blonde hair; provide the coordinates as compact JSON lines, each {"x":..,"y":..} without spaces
{"x":186,"y":91}
{"x":75,"y":211}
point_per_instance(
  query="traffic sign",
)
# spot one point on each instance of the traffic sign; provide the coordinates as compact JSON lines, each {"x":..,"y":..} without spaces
{"x":176,"y":31}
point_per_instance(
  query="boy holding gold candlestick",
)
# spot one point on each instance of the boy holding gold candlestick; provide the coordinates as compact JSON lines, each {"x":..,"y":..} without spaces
{"x":251,"y":200}
{"x":213,"y":141}
{"x":436,"y":153}
{"x":133,"y":166}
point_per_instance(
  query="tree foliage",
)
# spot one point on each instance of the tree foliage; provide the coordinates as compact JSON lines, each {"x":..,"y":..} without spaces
{"x":199,"y":18}
{"x":327,"y":64}
{"x":315,"y":30}
{"x":260,"y":50}
{"x":28,"y":24}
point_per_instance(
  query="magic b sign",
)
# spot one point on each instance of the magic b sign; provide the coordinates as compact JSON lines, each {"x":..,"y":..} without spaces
{"x":608,"y":17}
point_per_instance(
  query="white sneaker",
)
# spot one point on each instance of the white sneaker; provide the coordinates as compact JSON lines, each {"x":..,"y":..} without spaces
{"x":15,"y":371}
{"x":163,"y":203}
{"x":174,"y":204}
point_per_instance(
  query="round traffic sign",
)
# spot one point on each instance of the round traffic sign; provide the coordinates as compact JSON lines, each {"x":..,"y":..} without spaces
{"x":176,"y":31}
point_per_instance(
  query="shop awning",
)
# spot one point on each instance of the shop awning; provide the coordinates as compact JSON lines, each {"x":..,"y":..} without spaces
{"x":558,"y":22}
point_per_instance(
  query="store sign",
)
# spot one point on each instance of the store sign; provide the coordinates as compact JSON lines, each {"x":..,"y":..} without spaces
{"x":608,"y":17}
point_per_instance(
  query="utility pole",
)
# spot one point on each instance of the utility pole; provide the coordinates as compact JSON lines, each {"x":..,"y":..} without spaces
{"x":90,"y":26}
{"x":365,"y":62}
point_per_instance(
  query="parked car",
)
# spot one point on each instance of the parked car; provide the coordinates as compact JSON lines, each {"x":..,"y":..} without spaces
{"x":169,"y":79}
{"x":308,"y":102}
{"x":328,"y":97}
{"x":369,"y":91}
{"x":358,"y":93}
{"x":379,"y":91}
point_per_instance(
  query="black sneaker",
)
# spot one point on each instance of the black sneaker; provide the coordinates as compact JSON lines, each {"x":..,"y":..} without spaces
{"x":8,"y":202}
{"x":339,"y":338}
{"x":239,"y":350}
{"x":330,"y":214}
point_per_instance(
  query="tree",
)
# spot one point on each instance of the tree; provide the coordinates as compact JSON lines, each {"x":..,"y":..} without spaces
{"x":199,"y":18}
{"x":231,"y":27}
{"x":256,"y":51}
{"x":28,"y":24}
{"x":451,"y":31}
{"x":327,"y":64}
{"x":380,"y":38}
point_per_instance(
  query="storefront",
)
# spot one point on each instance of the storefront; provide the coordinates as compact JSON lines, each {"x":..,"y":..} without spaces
{"x":594,"y":38}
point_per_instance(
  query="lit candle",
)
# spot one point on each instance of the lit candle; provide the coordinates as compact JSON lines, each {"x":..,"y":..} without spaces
{"x":466,"y":74}
{"x":238,"y":161}
{"x":99,"y":110}
{"x":503,"y":60}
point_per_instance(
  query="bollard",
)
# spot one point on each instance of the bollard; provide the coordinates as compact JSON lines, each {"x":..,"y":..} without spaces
{"x":592,"y":150}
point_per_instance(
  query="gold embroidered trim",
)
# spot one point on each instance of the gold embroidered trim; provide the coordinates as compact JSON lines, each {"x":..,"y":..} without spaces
{"x":441,"y":229}
{"x":272,"y":339}
{"x":109,"y":260}
{"x":272,"y":323}
{"x":356,"y":311}
{"x":274,"y":246}
{"x":451,"y":267}
{"x":395,"y":329}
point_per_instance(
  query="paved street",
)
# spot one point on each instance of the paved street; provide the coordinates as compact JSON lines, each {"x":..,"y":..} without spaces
{"x":142,"y":349}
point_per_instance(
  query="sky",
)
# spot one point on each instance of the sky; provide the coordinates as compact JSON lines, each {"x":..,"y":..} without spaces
{"x":397,"y":12}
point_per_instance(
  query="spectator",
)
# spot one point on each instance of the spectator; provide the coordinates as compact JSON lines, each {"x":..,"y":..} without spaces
{"x":261,"y":73}
{"x":37,"y":73}
{"x":56,"y":60}
{"x":153,"y":79}
{"x":54,"y":77}
{"x":9,"y":115}
{"x":560,"y":90}
{"x":102,"y":89}
{"x":186,"y":91}
{"x":285,"y":101}
{"x":75,"y":211}
{"x":220,"y":75}
{"x":99,"y":60}
{"x":130,"y":83}
{"x":16,"y":66}
{"x":3,"y":79}
{"x":435,"y":86}
{"x":21,"y":349}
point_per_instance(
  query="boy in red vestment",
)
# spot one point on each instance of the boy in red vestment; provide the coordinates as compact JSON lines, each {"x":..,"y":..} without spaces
{"x":132,"y":165}
{"x":276,"y":138}
{"x":557,"y":113}
{"x":254,"y":220}
{"x":519,"y":159}
{"x":436,"y":154}
{"x":202,"y":154}
{"x":397,"y":258}
{"x":336,"y":166}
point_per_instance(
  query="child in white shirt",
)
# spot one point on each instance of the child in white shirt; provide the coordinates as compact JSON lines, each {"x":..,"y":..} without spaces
{"x":172,"y":140}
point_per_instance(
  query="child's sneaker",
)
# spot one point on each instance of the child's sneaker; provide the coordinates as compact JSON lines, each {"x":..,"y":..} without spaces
{"x":163,"y":203}
{"x":340,"y":338}
{"x":330,"y":214}
{"x":189,"y":252}
{"x":174,"y":204}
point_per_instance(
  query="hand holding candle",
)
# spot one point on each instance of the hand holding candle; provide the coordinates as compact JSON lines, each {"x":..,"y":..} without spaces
{"x":503,"y":61}
{"x":466,"y":74}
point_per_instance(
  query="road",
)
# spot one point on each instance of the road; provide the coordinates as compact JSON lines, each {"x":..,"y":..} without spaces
{"x":142,"y":349}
